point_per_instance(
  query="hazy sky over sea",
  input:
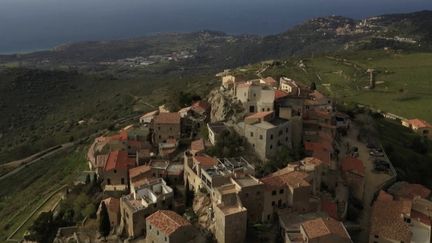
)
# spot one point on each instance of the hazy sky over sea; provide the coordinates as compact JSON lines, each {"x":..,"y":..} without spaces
{"x":37,"y":24}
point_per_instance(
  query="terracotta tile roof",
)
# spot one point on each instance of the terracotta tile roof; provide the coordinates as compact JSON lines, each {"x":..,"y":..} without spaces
{"x":205,"y":160}
{"x":420,"y":217}
{"x":119,"y":160}
{"x":329,"y":207}
{"x":418,"y":123}
{"x":167,"y":221}
{"x":280,"y":94}
{"x":136,"y":145}
{"x":283,"y":178}
{"x":321,"y":227}
{"x":167,"y":118}
{"x":259,"y":115}
{"x":270,"y":81}
{"x":198,"y":145}
{"x":354,"y":165}
{"x":244,"y":85}
{"x":384,"y":197}
{"x":321,"y":151}
{"x":134,"y":172}
{"x":387,"y":220}
{"x":404,"y":189}
{"x":121,"y":136}
{"x":201,"y":106}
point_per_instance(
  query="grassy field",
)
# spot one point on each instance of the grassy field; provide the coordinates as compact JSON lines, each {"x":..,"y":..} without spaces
{"x":404,"y":83}
{"x":24,"y":191}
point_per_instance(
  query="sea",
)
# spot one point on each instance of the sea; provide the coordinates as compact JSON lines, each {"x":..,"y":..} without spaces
{"x":31,"y":25}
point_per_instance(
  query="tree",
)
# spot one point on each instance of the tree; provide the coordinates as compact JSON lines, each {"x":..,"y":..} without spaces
{"x":87,"y":180}
{"x":104,"y":222}
{"x":313,"y":86}
{"x":43,"y":229}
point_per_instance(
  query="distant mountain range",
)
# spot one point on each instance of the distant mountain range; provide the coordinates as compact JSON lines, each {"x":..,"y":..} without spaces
{"x":326,"y":34}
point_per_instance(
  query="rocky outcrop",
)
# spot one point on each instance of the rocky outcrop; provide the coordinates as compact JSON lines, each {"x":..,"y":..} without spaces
{"x":202,"y":207}
{"x":224,"y":106}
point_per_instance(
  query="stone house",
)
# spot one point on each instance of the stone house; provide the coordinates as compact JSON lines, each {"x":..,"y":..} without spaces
{"x":353,"y":171}
{"x":214,"y":131}
{"x":142,"y":202}
{"x":193,"y":167}
{"x":166,"y":126}
{"x":421,"y":127}
{"x":115,"y":174}
{"x":400,"y":220}
{"x":230,"y":216}
{"x":168,"y":226}
{"x":266,"y":134}
{"x":289,"y":85}
{"x":324,"y":230}
{"x":255,"y":97}
{"x":287,"y":188}
{"x":113,"y":207}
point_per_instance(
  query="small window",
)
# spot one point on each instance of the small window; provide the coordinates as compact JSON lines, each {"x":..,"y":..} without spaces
{"x":115,"y":171}
{"x":246,"y":194}
{"x":271,"y":137}
{"x":271,"y":147}
{"x":261,"y":137}
{"x":251,"y":134}
{"x":273,"y":192}
{"x":157,"y":232}
{"x":273,"y":203}
{"x":258,"y":193}
{"x":122,"y":181}
{"x":150,"y":226}
{"x":281,"y":191}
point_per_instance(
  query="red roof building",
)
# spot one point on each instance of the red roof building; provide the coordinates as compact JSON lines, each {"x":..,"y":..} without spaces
{"x":280,"y":94}
{"x":353,"y":165}
{"x":167,"y":221}
{"x":167,"y":118}
{"x":201,"y":107}
{"x":119,"y":160}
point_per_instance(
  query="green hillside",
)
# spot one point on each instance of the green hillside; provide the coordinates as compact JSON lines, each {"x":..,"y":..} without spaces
{"x":404,"y":80}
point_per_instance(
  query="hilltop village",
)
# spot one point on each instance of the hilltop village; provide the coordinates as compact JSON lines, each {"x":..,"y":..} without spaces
{"x":222,"y":170}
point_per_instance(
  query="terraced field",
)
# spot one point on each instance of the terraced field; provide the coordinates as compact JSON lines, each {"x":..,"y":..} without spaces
{"x":25,"y":191}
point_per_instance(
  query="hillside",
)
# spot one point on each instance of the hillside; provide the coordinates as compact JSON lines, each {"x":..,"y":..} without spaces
{"x":46,"y":94}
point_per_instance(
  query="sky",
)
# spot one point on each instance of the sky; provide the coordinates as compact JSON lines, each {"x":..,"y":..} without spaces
{"x":27,"y":25}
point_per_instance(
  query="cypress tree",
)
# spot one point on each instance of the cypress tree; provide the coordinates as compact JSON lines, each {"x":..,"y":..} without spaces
{"x":104,"y":221}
